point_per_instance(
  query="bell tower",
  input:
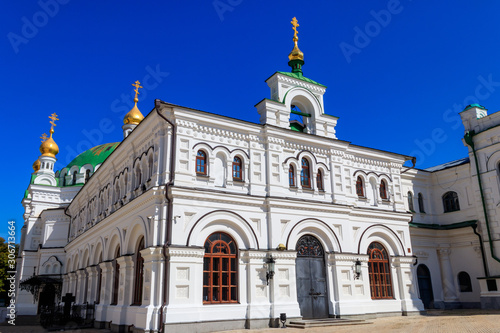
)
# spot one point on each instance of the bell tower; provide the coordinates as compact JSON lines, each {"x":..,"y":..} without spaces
{"x":294,"y":95}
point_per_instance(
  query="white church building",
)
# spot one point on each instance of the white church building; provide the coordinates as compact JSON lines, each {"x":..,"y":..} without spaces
{"x":200,"y":222}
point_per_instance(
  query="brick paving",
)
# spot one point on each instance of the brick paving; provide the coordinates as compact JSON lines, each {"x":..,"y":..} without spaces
{"x":451,"y":321}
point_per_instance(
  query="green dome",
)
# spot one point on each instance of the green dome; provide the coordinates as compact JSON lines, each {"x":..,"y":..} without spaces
{"x":94,"y":156}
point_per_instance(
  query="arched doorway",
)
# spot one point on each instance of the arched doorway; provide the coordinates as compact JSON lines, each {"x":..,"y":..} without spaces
{"x":312,"y":292}
{"x":47,"y":297}
{"x":425,"y":285}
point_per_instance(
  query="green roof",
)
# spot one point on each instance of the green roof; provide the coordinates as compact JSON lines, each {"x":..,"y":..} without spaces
{"x":444,"y":226}
{"x":470,"y":106}
{"x":301,"y":77}
{"x":94,"y":156}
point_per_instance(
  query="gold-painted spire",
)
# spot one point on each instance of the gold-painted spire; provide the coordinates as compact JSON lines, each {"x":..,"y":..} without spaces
{"x":134,"y":116}
{"x":49,"y":146}
{"x":296,"y":53}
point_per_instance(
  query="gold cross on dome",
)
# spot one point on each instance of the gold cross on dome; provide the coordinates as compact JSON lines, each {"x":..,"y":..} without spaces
{"x":137,"y":85}
{"x":44,"y":137}
{"x":53,"y":118}
{"x":295,"y":24}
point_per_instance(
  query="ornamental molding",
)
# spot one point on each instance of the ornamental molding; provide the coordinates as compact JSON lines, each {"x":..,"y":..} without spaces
{"x":300,"y":147}
{"x":191,"y":128}
{"x":253,"y":255}
{"x":402,"y":260}
{"x":348,"y":257}
{"x":185,"y":252}
{"x":422,"y":254}
{"x":287,"y":79}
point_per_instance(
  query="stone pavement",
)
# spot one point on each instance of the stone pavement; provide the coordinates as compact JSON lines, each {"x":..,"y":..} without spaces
{"x":436,"y":321}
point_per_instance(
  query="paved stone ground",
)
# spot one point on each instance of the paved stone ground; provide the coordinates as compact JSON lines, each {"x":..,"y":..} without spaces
{"x":451,"y":321}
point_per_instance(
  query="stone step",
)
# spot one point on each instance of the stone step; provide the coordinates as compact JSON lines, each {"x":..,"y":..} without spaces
{"x":310,"y":323}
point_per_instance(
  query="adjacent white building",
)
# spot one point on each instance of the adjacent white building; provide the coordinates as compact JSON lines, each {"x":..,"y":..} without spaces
{"x":197,"y":221}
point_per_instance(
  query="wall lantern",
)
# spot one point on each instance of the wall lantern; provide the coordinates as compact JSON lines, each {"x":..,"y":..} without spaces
{"x":270,"y":269}
{"x":357,"y":269}
{"x":283,"y":319}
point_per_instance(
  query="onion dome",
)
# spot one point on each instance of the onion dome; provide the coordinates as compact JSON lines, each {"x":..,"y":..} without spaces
{"x":36,"y":165}
{"x":134,"y":116}
{"x":49,"y":146}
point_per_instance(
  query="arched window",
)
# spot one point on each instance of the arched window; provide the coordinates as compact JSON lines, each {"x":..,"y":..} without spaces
{"x":237,"y":171}
{"x":99,"y":280}
{"x":220,"y":278}
{"x":383,"y":190}
{"x":139,"y":274}
{"x":450,"y":202}
{"x":87,"y":175}
{"x":116,"y":280}
{"x":464,"y":282}
{"x":421,"y":203}
{"x":319,"y":180}
{"x":305,"y":176}
{"x":74,"y":177}
{"x":138,"y":178}
{"x":291,"y":176}
{"x":150,"y":166}
{"x":379,"y":270}
{"x":201,"y":163}
{"x":359,"y":187}
{"x":410,"y":202}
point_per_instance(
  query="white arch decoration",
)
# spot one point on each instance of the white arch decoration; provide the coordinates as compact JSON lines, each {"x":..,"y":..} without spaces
{"x":316,"y":228}
{"x":383,"y":235}
{"x":223,"y":221}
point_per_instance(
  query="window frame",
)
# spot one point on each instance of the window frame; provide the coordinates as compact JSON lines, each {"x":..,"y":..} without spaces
{"x":213,"y":266}
{"x":451,"y":203}
{"x":464,"y":282}
{"x":305,"y":173}
{"x":420,"y":199}
{"x":411,"y":207}
{"x":360,"y":187}
{"x":319,"y":180}
{"x":237,"y":169}
{"x":383,"y":190}
{"x":202,"y":166}
{"x":291,"y":176}
{"x":379,"y":272}
{"x":116,"y":279}
{"x":139,"y":274}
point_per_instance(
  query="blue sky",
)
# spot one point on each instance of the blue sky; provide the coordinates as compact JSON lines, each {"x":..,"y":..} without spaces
{"x":397,"y":72}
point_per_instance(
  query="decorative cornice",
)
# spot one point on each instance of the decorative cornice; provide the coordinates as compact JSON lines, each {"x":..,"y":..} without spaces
{"x":300,"y":83}
{"x":185,"y":252}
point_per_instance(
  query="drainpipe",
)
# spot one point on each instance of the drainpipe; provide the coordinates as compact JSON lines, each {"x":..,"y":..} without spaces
{"x":469,"y":140}
{"x":485,"y":266}
{"x":168,"y":236}
{"x":413,"y":161}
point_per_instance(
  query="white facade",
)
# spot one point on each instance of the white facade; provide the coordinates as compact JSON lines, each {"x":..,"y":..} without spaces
{"x":153,"y":187}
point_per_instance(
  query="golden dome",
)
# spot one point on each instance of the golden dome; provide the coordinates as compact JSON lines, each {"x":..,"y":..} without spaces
{"x":36,"y":165}
{"x":49,"y":147}
{"x":134,"y":116}
{"x":296,"y":53}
